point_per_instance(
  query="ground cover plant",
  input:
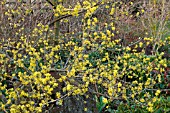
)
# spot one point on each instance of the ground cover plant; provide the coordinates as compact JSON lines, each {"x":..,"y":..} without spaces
{"x":94,"y":56}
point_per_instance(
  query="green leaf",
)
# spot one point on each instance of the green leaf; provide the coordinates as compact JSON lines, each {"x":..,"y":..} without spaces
{"x":110,"y":110}
{"x":159,"y":110}
{"x":168,"y":98}
{"x":100,"y":104}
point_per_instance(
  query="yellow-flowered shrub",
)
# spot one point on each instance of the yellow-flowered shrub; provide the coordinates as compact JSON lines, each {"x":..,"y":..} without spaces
{"x":90,"y":59}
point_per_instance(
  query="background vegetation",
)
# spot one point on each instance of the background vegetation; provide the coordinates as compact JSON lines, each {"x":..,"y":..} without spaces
{"x":76,"y":56}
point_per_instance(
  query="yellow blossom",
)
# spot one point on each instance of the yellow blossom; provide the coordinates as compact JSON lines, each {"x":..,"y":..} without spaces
{"x":157,"y":92}
{"x":104,"y":100}
{"x":142,"y":100}
{"x":119,"y":84}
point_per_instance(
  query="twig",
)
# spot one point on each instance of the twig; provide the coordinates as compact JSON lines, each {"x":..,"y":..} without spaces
{"x":51,"y":4}
{"x":66,"y":62}
{"x":59,"y":70}
{"x":55,"y":100}
{"x":70,"y":15}
{"x":91,"y":91}
{"x":64,"y":16}
{"x":158,"y":89}
{"x":96,"y":89}
{"x":135,"y":42}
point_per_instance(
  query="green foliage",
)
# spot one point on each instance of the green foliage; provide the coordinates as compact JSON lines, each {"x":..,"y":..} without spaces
{"x":100,"y":104}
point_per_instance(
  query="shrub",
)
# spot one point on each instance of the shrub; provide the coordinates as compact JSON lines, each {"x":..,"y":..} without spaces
{"x":90,"y":60}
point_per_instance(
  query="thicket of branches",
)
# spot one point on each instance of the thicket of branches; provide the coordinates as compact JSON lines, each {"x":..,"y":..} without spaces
{"x":85,"y":56}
